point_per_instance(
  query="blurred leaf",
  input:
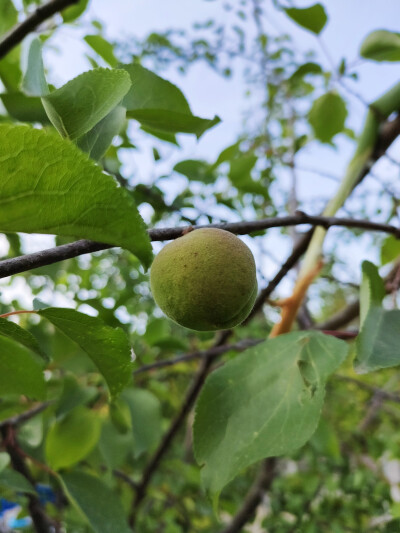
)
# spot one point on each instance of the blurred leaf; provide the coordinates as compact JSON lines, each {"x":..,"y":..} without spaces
{"x":34,"y":81}
{"x":107,"y":347}
{"x":80,"y":104}
{"x":22,"y":336}
{"x":103,"y":48}
{"x":305,"y":69}
{"x":163,"y":135}
{"x":264,"y":403}
{"x":16,"y":482}
{"x":230,"y":152}
{"x":8,"y":16}
{"x":390,"y":250}
{"x":114,"y":446}
{"x":96,"y":141}
{"x":381,"y":45}
{"x":73,"y":395}
{"x":25,"y":108}
{"x":4,"y":460}
{"x":99,"y":504}
{"x":159,"y":105}
{"x":73,"y":12}
{"x":146,"y":419}
{"x":378,"y":342}
{"x":325,"y":440}
{"x":311,"y":18}
{"x":196,"y":170}
{"x":372,"y":290}
{"x":19,"y":371}
{"x":72,"y":438}
{"x":75,"y":197}
{"x":327,"y":116}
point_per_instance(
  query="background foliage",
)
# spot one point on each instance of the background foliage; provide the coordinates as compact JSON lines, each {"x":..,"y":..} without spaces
{"x":97,"y":387}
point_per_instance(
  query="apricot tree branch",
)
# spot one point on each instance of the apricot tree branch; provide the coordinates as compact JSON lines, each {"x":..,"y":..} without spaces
{"x":21,"y":30}
{"x":26,"y":415}
{"x":23,"y":263}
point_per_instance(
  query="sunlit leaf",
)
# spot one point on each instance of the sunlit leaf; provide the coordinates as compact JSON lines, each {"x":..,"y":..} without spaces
{"x":327,"y":116}
{"x":381,"y":45}
{"x":50,"y":186}
{"x":311,"y":18}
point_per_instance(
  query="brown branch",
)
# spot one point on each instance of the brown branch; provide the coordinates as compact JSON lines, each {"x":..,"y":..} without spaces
{"x":262,"y":483}
{"x":214,"y":351}
{"x":23,"y":417}
{"x":20,"y":31}
{"x":16,"y":265}
{"x":385,"y":395}
{"x":42,"y":523}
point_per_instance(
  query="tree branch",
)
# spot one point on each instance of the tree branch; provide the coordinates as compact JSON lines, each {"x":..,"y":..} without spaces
{"x":23,"y":417}
{"x":20,"y":31}
{"x":23,"y":263}
{"x":214,"y":351}
{"x":254,"y":496}
{"x":42,"y":523}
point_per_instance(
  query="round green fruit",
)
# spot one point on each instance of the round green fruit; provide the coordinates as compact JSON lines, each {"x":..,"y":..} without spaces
{"x":205,"y":280}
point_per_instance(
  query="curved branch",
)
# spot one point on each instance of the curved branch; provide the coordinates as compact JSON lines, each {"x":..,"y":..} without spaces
{"x":20,"y":31}
{"x":23,"y":263}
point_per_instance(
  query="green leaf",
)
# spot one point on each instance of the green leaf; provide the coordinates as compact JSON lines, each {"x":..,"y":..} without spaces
{"x":381,"y":45}
{"x":34,"y":81}
{"x":378,"y":342}
{"x":146,"y":419}
{"x":305,"y":69}
{"x":4,"y":460}
{"x":228,"y":153}
{"x":50,"y":186}
{"x":107,"y":347}
{"x":19,"y":371}
{"x":196,"y":170}
{"x":20,"y":335}
{"x":97,"y":502}
{"x":96,"y":141}
{"x":327,"y":116}
{"x":8,"y":16}
{"x":390,"y":250}
{"x":103,"y":48}
{"x":24,"y":108}
{"x":72,"y":438}
{"x":163,"y":135}
{"x":372,"y":290}
{"x":11,"y":480}
{"x":265,"y":402}
{"x":240,"y":175}
{"x":73,"y":395}
{"x":80,"y":104}
{"x":159,"y":105}
{"x":311,"y":18}
{"x":73,"y":12}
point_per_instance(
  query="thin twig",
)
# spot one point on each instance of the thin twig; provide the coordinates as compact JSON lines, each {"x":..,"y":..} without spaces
{"x":214,"y":351}
{"x":16,"y":420}
{"x":23,"y":263}
{"x":17,"y":34}
{"x":262,"y":483}
{"x":41,"y":522}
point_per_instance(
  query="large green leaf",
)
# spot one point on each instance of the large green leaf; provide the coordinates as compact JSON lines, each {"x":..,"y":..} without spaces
{"x":372,"y":290}
{"x":266,"y":402}
{"x":158,"y":104}
{"x":146,"y":418}
{"x":99,"y":504}
{"x":50,"y":186}
{"x":107,"y":347}
{"x":82,"y":102}
{"x":18,"y":334}
{"x":96,"y":141}
{"x":327,"y":116}
{"x":34,"y":81}
{"x":381,"y":45}
{"x":19,"y":371}
{"x":103,"y":48}
{"x":311,"y":18}
{"x":379,"y":340}
{"x":24,"y":108}
{"x":72,"y":438}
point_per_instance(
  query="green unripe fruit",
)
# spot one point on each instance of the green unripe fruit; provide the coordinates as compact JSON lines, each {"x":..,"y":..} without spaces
{"x":205,"y":280}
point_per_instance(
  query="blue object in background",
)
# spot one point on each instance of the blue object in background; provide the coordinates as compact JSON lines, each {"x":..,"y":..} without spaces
{"x":46,"y":494}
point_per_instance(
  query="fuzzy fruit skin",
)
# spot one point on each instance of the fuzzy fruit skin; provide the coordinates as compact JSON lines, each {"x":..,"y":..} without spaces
{"x":205,"y":280}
